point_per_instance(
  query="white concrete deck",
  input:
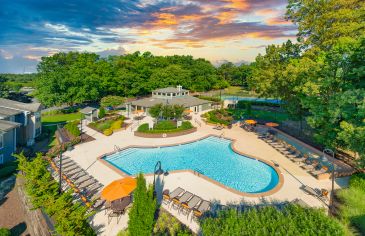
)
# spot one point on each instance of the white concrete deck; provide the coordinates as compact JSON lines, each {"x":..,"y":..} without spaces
{"x":294,"y":177}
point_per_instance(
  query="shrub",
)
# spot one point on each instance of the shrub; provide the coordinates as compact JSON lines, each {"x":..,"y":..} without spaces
{"x":186,"y":125}
{"x":108,"y":132}
{"x":7,"y":171}
{"x":165,"y":125}
{"x":143,"y":128}
{"x":101,"y":113}
{"x":142,"y":214}
{"x":352,"y":208}
{"x":291,"y":220}
{"x":117,"y":125}
{"x":167,"y":224}
{"x":73,"y":129}
{"x":42,"y":190}
{"x":5,"y":232}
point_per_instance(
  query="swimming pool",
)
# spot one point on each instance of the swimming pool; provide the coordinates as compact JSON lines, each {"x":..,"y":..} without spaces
{"x":212,"y":157}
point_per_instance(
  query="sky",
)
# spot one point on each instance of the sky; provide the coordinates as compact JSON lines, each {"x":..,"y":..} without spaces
{"x":218,"y":30}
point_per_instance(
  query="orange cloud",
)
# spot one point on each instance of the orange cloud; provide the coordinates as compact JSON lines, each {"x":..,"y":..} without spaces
{"x":164,"y":19}
{"x":277,"y":21}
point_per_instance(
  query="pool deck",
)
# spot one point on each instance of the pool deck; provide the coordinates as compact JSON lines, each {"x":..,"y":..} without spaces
{"x":86,"y":155}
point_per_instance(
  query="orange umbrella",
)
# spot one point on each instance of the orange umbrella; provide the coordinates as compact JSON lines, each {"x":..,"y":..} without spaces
{"x":188,"y":111}
{"x":250,"y":122}
{"x":272,"y":124}
{"x":119,"y":189}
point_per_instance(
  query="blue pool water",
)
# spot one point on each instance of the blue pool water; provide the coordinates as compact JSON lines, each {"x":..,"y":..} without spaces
{"x":211,"y":156}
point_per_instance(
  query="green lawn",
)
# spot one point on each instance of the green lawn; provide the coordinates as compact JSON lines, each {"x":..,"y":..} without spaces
{"x":238,"y":91}
{"x":58,"y":118}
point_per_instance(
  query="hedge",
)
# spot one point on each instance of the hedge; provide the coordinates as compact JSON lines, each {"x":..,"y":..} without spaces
{"x":165,"y":127}
{"x":291,"y":220}
{"x":108,"y":132}
{"x":5,"y":232}
{"x":72,"y":128}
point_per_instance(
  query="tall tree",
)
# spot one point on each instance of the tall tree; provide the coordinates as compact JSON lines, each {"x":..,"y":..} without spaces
{"x":141,"y":216}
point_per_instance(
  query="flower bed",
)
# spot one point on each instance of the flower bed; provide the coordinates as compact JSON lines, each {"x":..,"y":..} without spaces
{"x":109,"y":125}
{"x":218,"y":117}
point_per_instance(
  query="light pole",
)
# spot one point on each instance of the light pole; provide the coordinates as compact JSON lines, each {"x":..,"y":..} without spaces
{"x":156,"y":171}
{"x":330,"y":151}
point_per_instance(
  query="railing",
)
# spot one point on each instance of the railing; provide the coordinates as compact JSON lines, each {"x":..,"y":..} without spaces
{"x":116,"y":148}
{"x":198,"y":122}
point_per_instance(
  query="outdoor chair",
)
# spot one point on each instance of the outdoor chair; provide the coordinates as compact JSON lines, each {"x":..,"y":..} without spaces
{"x":118,"y":208}
{"x":320,"y":194}
{"x":167,"y":196}
{"x":87,"y":183}
{"x":203,"y":207}
{"x":321,"y":170}
{"x":187,"y":207}
{"x":310,"y":164}
{"x":176,"y":202}
{"x":81,"y":178}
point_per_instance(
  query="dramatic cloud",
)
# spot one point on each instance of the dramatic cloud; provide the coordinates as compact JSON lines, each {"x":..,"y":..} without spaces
{"x":31,"y":29}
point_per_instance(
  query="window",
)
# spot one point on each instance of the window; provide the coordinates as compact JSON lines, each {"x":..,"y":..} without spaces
{"x":1,"y":141}
{"x":1,"y":158}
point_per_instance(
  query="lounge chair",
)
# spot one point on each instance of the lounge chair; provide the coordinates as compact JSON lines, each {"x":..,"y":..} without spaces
{"x":316,"y":193}
{"x":323,"y":169}
{"x":167,"y":196}
{"x":203,"y":207}
{"x":310,"y":164}
{"x":87,"y":183}
{"x":187,"y":207}
{"x":118,"y":208}
{"x":176,"y":201}
{"x":81,"y":179}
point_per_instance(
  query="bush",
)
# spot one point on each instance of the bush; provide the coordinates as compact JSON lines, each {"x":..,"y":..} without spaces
{"x":7,"y":171}
{"x":101,"y":113}
{"x":111,"y":101}
{"x":352,"y":208}
{"x":167,"y":224}
{"x":291,"y":220}
{"x":108,"y":132}
{"x":71,"y":218}
{"x":5,"y":232}
{"x":117,"y":125}
{"x":72,"y":128}
{"x":165,"y":125}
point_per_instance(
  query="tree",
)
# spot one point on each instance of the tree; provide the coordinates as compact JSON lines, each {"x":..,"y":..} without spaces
{"x":101,"y":113}
{"x":111,"y":101}
{"x":155,"y":111}
{"x":142,"y":214}
{"x":4,"y":90}
{"x":178,"y":111}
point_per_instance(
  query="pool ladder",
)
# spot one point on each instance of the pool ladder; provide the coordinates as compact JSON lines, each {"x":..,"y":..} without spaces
{"x":117,"y":148}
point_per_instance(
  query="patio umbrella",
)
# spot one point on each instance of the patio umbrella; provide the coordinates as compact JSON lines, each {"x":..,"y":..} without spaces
{"x":119,"y":189}
{"x":188,"y":111}
{"x":251,"y":122}
{"x":272,"y":124}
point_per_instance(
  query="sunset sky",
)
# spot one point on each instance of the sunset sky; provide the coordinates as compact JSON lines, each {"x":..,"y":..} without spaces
{"x":218,"y":30}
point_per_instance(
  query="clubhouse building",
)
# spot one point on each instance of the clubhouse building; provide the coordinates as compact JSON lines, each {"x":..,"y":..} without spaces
{"x":172,"y":96}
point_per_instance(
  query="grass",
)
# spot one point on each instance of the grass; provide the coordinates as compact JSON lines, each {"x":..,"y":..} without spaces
{"x":260,"y":114}
{"x":238,"y":91}
{"x":353,"y":198}
{"x":60,"y":118}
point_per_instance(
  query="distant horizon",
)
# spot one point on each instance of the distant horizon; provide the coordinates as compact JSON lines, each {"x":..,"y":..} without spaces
{"x":217,"y":30}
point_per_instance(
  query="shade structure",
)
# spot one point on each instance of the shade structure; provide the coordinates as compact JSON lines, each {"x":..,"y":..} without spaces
{"x":272,"y":124}
{"x":251,"y":122}
{"x":119,"y":189}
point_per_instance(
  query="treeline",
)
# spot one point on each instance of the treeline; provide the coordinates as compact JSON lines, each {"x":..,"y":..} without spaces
{"x":322,"y":76}
{"x":78,"y":77}
{"x":14,"y":82}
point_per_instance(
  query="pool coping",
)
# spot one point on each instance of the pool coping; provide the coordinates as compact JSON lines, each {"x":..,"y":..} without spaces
{"x":233,"y":142}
